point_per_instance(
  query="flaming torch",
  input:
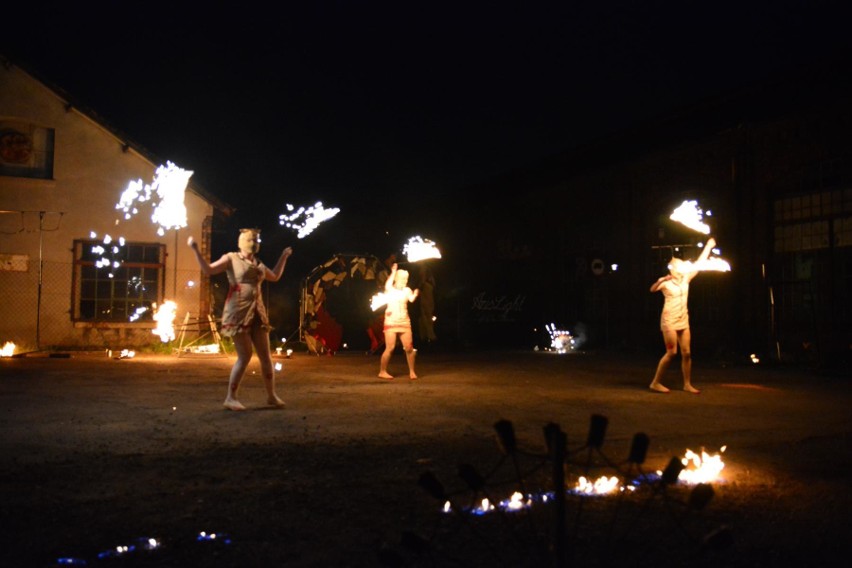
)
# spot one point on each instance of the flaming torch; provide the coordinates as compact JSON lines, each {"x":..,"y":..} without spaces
{"x":690,"y":215}
{"x":417,"y":249}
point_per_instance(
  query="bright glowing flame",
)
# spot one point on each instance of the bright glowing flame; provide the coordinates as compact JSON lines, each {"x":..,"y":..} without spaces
{"x":417,"y":249}
{"x":209,"y":348}
{"x":516,"y":502}
{"x":8,"y":349}
{"x":702,"y":468}
{"x":378,"y":300}
{"x":690,"y":215}
{"x":165,"y":317}
{"x":306,"y":219}
{"x":754,"y":358}
{"x":601,"y":486}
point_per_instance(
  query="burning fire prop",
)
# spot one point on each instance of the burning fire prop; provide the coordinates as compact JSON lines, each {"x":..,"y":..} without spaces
{"x":165,"y":318}
{"x":8,"y":349}
{"x":691,"y":469}
{"x":146,"y":545}
{"x":691,"y":216}
{"x":417,"y":249}
{"x":698,"y":469}
{"x":305,"y":219}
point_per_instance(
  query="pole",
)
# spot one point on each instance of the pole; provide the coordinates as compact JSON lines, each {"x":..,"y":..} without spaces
{"x":40,"y":276}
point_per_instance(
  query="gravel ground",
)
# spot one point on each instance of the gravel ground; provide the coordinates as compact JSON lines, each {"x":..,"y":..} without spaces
{"x":100,"y":452}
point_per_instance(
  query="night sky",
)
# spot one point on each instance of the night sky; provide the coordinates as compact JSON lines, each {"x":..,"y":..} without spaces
{"x":380,"y":107}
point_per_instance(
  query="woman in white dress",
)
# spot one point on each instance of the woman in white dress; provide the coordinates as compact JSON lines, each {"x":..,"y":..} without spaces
{"x":674,"y":320}
{"x":244,"y":317}
{"x":397,"y":321}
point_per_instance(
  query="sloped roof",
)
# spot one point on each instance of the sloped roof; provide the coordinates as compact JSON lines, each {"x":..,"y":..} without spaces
{"x":72,"y":102}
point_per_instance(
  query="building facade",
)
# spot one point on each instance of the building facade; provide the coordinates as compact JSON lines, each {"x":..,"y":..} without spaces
{"x":75,"y":269}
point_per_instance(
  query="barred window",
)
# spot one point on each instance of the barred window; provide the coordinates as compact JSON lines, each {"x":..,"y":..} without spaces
{"x":115,"y":283}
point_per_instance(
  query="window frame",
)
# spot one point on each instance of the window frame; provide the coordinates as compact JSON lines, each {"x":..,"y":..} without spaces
{"x":135,"y":260}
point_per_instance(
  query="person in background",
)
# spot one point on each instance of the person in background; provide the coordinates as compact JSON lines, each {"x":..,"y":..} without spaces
{"x":674,"y":320}
{"x":397,"y":321}
{"x":426,"y":319}
{"x":244,"y":317}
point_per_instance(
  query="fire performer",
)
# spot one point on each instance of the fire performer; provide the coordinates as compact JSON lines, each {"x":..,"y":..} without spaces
{"x":244,"y":317}
{"x":674,"y":320}
{"x":397,"y":321}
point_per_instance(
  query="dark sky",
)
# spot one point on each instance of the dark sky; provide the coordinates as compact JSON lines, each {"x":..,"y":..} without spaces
{"x":378,"y":106}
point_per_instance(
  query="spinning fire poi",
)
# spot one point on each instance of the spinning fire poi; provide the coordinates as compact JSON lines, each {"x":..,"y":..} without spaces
{"x":674,"y":319}
{"x":305,"y":219}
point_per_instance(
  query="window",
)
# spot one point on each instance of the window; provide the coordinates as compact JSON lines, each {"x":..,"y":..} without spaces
{"x":26,"y":150}
{"x":120,"y":284}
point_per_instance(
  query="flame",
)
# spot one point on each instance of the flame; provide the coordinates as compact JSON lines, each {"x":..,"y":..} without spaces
{"x":378,"y":300}
{"x":702,"y":468}
{"x":690,"y":215}
{"x":601,"y":486}
{"x":165,"y":317}
{"x":8,"y":349}
{"x":313,"y":216}
{"x":417,"y":249}
{"x":210,"y":348}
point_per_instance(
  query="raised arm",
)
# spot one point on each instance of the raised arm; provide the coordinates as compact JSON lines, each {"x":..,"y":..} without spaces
{"x":275,"y":274}
{"x":207,"y":268}
{"x":708,"y":248}
{"x":391,"y":278}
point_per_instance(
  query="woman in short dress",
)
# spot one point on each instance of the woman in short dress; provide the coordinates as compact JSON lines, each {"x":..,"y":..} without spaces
{"x":244,"y":317}
{"x":674,"y":320}
{"x":397,"y":321}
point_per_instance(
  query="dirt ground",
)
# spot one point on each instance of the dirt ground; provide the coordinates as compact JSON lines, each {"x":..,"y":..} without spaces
{"x":98,"y":453}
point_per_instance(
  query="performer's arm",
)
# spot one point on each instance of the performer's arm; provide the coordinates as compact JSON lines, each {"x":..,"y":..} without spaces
{"x":207,"y":268}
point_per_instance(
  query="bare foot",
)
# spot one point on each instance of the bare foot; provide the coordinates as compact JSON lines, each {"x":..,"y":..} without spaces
{"x":275,"y":401}
{"x":692,"y":389}
{"x":657,"y":387}
{"x":412,"y":377}
{"x":386,"y":376}
{"x":233,"y":404}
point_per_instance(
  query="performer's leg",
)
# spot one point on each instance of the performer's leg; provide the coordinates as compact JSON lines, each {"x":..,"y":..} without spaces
{"x":260,"y":340}
{"x":407,"y":339}
{"x":390,"y":344}
{"x":242,"y":344}
{"x":684,"y":339}
{"x":670,"y":338}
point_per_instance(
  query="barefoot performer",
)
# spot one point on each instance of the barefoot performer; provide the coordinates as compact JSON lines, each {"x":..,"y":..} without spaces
{"x":244,"y":317}
{"x":397,"y":295}
{"x":674,"y":320}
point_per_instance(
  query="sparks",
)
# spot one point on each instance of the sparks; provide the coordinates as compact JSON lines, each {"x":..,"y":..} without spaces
{"x":169,"y":185}
{"x":560,"y":340}
{"x":418,"y":248}
{"x":305,"y":219}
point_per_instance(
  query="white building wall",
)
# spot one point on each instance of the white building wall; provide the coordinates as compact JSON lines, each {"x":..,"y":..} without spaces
{"x":41,"y":218}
